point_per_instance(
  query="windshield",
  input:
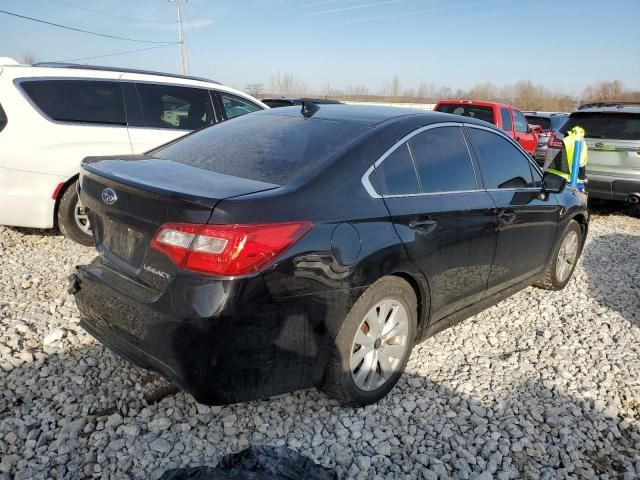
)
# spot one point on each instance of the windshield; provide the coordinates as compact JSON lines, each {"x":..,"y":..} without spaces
{"x":610,"y":125}
{"x":466,"y":110}
{"x":267,"y":148}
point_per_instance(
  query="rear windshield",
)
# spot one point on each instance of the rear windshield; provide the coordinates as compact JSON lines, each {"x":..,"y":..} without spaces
{"x":609,"y":125}
{"x":268,"y":148}
{"x":465,"y":110}
{"x":544,"y":122}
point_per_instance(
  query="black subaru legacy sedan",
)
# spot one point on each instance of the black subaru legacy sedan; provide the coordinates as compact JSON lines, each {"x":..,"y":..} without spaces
{"x":314,"y":246}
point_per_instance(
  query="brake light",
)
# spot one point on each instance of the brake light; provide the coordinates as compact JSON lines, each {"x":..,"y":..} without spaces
{"x":554,"y":141}
{"x":226,"y":250}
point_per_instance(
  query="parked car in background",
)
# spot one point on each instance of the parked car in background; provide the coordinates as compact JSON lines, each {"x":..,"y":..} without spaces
{"x":612,"y":135}
{"x":549,"y":123}
{"x":278,"y":102}
{"x":296,"y":247}
{"x":57,"y":114}
{"x":506,"y":117}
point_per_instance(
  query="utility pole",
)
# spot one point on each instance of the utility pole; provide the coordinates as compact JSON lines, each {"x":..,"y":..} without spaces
{"x":183,"y":46}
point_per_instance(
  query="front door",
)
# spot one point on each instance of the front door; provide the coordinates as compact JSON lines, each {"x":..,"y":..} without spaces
{"x":447,"y":224}
{"x":524,"y":135}
{"x":526,"y":223}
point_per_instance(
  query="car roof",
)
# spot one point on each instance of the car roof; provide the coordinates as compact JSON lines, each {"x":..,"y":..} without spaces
{"x":371,"y":115}
{"x":607,"y":110}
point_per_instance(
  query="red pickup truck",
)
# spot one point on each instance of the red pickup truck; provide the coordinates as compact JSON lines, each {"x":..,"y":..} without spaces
{"x":506,"y":117}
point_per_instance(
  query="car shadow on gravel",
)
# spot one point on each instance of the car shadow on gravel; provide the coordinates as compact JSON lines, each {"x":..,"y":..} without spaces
{"x":79,"y":412}
{"x":612,"y":269}
{"x":51,"y":232}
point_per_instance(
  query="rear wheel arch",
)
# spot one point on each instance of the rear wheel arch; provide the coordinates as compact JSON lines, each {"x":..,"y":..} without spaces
{"x":423,"y":297}
{"x":61,"y":193}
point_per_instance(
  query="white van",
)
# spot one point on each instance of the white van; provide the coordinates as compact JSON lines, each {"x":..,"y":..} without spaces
{"x":53,"y":115}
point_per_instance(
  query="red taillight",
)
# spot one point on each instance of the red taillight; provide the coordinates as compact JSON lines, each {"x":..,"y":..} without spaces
{"x":554,"y":142}
{"x":226,"y":250}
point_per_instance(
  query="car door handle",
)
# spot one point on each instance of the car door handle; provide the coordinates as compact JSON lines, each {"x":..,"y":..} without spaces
{"x":506,"y":217}
{"x":423,"y":226}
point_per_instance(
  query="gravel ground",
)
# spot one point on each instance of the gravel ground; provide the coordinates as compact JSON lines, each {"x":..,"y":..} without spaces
{"x":543,"y":385}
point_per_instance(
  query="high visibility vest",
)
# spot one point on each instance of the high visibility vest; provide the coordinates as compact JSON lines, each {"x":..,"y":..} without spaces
{"x":576,"y":134}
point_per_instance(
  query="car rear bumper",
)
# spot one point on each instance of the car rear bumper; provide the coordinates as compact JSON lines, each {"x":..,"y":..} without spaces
{"x":223,"y":341}
{"x":612,"y":187}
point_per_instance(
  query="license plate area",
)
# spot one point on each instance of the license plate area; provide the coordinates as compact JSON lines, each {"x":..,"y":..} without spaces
{"x":123,"y":242}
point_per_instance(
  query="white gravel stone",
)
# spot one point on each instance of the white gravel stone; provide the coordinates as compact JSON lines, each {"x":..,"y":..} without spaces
{"x":543,"y":385}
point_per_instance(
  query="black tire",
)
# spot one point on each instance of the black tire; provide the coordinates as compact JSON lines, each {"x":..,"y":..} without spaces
{"x":338,"y":381}
{"x":66,"y":218}
{"x":550,"y":279}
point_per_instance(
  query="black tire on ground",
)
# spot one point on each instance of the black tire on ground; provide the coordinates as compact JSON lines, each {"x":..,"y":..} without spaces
{"x":66,"y":218}
{"x":338,"y":382}
{"x":550,"y":280}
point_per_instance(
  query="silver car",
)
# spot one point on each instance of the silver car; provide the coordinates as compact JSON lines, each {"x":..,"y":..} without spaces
{"x":612,"y":134}
{"x":549,"y":122}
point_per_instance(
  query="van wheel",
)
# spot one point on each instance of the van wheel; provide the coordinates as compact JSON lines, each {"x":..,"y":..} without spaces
{"x":73,"y":221}
{"x":373,"y":345}
{"x":563,"y":259}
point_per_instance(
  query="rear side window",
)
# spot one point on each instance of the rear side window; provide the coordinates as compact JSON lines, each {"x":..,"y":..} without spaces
{"x":467,"y":110}
{"x":507,"y":124}
{"x":442,"y":160}
{"x":502,"y":165}
{"x":521,"y":122}
{"x":235,"y":106}
{"x":170,"y":106}
{"x":3,"y":119}
{"x":86,"y":101}
{"x":267,"y":148}
{"x":396,"y":174}
{"x":609,"y":125}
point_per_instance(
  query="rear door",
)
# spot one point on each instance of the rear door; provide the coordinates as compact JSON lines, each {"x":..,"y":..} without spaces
{"x":523,"y":134}
{"x":446,"y":222}
{"x":158,"y":113}
{"x":526,"y":224}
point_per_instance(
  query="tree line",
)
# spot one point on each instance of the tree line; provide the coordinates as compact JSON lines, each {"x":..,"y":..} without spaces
{"x":523,"y":94}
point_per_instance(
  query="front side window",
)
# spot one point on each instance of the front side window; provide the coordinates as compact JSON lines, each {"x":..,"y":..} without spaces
{"x":396,"y":174}
{"x":442,"y":160}
{"x":235,"y":106}
{"x":507,"y":124}
{"x":521,"y":122}
{"x":85,"y":101}
{"x":502,"y":165}
{"x":169,"y":106}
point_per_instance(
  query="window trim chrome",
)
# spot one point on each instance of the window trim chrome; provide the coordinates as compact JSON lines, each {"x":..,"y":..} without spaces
{"x":372,"y":192}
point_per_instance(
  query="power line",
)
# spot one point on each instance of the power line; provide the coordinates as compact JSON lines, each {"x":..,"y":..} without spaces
{"x":80,"y":30}
{"x":120,"y":53}
{"x":102,"y":13}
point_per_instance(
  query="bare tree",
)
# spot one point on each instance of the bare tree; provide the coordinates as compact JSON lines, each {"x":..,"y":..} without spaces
{"x":28,"y":58}
{"x":254,"y":89}
{"x":289,"y":85}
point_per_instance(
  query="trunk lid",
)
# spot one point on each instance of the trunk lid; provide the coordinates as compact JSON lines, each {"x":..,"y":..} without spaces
{"x":614,"y":157}
{"x":130,"y":197}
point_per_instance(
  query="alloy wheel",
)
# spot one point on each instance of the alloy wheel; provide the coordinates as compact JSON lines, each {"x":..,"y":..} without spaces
{"x":380,"y":345}
{"x":567,"y":256}
{"x":81,"y":218}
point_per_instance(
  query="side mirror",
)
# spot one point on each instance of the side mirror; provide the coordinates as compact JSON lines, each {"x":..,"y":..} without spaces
{"x":552,"y":183}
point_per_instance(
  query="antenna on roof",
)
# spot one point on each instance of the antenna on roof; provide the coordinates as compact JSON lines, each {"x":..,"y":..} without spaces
{"x":309,"y":108}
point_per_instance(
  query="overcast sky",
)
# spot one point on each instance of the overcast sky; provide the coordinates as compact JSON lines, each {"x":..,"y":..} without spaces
{"x":456,"y":43}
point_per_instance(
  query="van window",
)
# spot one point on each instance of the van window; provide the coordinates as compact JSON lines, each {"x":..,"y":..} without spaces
{"x":502,"y":164}
{"x":85,"y":101}
{"x":396,"y":174}
{"x":170,"y":106}
{"x":235,"y":106}
{"x":3,"y":119}
{"x":442,"y":160}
